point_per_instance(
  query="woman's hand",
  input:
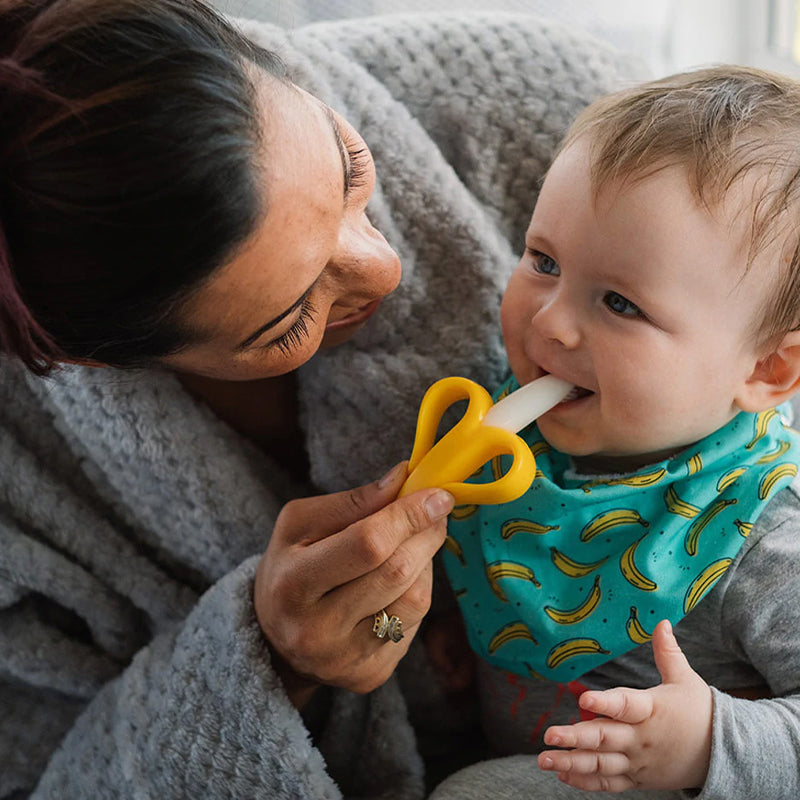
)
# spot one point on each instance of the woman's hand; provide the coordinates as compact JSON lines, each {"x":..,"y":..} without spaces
{"x":332,"y":563}
{"x":657,"y":738}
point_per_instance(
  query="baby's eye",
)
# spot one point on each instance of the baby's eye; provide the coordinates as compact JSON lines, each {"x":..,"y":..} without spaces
{"x":621,"y":305}
{"x":543,"y":264}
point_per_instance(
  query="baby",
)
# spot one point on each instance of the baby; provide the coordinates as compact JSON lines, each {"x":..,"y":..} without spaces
{"x":661,"y":276}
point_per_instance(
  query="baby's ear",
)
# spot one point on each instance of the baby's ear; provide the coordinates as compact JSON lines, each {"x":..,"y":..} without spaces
{"x":775,"y":378}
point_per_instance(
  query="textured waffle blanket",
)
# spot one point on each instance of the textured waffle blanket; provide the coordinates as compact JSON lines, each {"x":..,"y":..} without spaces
{"x":131,"y":663}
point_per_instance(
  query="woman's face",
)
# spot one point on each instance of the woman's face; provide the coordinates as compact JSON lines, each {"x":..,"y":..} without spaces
{"x":313,"y":271}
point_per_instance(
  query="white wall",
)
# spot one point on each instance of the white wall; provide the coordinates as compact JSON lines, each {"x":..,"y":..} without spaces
{"x":668,"y":34}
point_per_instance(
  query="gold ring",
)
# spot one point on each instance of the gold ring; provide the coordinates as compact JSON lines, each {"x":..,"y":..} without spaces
{"x":386,"y":626}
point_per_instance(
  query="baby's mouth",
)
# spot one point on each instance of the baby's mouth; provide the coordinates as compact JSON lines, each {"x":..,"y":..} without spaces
{"x":576,"y":393}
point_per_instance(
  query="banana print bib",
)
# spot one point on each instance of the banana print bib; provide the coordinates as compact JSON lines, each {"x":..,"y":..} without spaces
{"x":578,"y":571}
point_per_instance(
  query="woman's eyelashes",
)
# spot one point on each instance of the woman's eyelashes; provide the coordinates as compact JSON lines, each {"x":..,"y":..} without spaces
{"x":359,"y":160}
{"x":297,"y":334}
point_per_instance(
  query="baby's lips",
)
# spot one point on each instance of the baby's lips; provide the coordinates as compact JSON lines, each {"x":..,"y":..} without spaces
{"x":576,"y":393}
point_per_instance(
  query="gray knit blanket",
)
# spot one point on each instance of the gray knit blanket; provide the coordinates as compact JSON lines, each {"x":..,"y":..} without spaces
{"x":131,"y":663}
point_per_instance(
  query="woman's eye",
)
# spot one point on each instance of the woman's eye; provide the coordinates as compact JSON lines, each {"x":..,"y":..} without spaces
{"x":297,"y":334}
{"x":621,"y":305}
{"x":543,"y":264}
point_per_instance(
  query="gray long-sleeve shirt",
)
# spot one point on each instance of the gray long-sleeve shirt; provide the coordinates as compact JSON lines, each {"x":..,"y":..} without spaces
{"x":742,"y":635}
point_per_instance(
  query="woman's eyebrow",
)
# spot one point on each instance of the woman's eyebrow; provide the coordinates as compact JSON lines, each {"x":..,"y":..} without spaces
{"x":273,"y":322}
{"x":346,"y":169}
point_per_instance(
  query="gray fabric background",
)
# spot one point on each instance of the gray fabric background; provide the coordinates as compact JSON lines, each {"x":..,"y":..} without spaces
{"x":131,"y":663}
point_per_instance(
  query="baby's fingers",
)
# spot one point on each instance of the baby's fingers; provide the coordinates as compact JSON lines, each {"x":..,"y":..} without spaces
{"x":600,"y":735}
{"x":585,"y":762}
{"x":626,"y":705}
{"x":596,"y":782}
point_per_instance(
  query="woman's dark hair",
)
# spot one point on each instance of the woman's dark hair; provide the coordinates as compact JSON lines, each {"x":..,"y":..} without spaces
{"x":129,"y":148}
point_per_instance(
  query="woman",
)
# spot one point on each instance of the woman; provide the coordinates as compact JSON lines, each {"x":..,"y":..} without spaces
{"x":184,"y":227}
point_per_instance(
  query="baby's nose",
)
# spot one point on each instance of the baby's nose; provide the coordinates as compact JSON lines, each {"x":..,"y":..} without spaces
{"x":554,"y":322}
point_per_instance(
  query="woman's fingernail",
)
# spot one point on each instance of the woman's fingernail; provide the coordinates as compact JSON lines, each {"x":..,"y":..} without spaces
{"x":391,"y":475}
{"x":439,"y":505}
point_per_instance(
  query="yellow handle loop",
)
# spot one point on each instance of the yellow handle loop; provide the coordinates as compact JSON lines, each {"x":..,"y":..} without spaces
{"x":465,"y":448}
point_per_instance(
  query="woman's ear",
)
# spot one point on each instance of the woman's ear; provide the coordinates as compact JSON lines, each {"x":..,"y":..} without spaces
{"x":775,"y":378}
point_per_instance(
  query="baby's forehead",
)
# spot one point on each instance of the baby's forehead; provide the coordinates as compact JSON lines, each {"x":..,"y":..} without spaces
{"x":664,"y":204}
{"x":751,"y":203}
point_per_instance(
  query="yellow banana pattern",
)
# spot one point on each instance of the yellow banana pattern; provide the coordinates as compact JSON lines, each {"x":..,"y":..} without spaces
{"x":540,"y":448}
{"x":497,"y":468}
{"x":768,"y":483}
{"x":644,"y":547}
{"x":703,"y":582}
{"x":694,"y":464}
{"x":703,"y":521}
{"x":631,"y":573}
{"x":762,"y":420}
{"x":512,"y":527}
{"x":463,"y":512}
{"x":680,"y":507}
{"x":509,"y":633}
{"x":581,"y":611}
{"x":774,"y":455}
{"x":572,"y":568}
{"x":635,"y":481}
{"x":570,"y":648}
{"x":452,"y":546}
{"x":508,"y":569}
{"x":607,"y":520}
{"x":729,"y":478}
{"x":532,"y":673}
{"x":636,"y":632}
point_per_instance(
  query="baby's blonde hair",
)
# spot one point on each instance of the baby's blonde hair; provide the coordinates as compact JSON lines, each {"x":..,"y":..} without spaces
{"x":721,"y":124}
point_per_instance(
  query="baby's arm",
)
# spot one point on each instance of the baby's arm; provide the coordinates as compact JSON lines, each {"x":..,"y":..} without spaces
{"x":658,"y":738}
{"x":755,"y":743}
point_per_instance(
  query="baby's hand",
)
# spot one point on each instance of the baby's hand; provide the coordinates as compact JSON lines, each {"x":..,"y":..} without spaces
{"x":657,"y":738}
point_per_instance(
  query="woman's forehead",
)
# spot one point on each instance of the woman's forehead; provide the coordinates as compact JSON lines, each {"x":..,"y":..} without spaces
{"x":301,"y":172}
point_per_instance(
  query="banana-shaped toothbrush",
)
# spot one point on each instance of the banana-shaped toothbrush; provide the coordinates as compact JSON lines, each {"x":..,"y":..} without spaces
{"x":485,"y":431}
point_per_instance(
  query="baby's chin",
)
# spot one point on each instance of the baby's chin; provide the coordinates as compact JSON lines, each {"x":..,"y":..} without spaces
{"x":588,"y":459}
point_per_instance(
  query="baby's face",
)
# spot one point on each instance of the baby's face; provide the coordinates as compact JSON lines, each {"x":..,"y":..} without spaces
{"x":640,"y":297}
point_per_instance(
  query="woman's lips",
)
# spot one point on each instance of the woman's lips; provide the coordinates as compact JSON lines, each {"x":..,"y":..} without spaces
{"x":358,"y":317}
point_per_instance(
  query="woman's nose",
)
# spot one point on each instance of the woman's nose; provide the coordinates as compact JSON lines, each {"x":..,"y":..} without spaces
{"x":556,"y":322}
{"x":365,"y":260}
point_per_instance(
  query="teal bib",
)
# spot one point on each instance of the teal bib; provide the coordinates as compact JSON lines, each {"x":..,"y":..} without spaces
{"x":578,"y":571}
